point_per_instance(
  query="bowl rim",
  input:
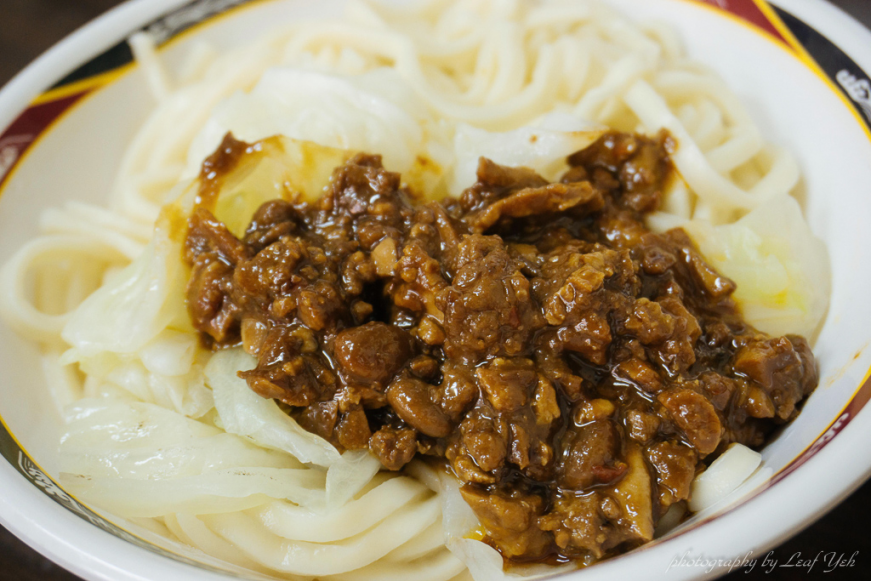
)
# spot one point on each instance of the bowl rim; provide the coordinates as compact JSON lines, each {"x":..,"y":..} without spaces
{"x":95,"y":554}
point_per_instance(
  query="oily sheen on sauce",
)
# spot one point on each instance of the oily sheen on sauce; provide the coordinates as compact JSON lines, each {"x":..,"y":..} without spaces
{"x":574,"y":370}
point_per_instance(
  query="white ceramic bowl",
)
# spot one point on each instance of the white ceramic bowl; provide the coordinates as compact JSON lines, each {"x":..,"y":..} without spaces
{"x":810,"y":94}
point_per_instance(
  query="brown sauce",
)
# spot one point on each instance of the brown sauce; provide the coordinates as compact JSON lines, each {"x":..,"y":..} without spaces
{"x":573,"y":369}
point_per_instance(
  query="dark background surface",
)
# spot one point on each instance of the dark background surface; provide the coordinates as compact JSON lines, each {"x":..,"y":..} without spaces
{"x":29,"y":27}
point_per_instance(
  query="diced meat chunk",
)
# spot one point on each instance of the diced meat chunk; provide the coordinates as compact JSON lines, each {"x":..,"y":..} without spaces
{"x":373,"y":352}
{"x":589,"y":456}
{"x":675,"y":465}
{"x":211,"y":308}
{"x":549,"y":199}
{"x":784,"y":372}
{"x":412,"y":400}
{"x":394,"y":447}
{"x":695,"y":415}
{"x":488,"y":309}
{"x":576,"y":524}
{"x":508,"y":383}
{"x":511,"y":520}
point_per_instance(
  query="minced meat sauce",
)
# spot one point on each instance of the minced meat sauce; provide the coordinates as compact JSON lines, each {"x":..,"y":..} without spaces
{"x":573,"y":369}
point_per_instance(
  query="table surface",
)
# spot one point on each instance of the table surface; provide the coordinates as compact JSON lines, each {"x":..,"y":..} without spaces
{"x":29,"y":27}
